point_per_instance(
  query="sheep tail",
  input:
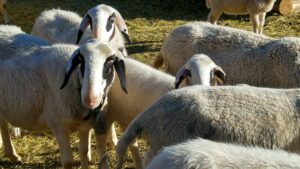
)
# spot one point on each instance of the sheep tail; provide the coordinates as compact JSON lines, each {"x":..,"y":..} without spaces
{"x":159,"y":60}
{"x":127,"y":138}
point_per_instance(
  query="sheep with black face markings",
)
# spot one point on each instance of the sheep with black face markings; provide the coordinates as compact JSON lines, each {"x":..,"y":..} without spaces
{"x":245,"y":56}
{"x":40,"y":75}
{"x":239,"y":114}
{"x":60,"y":26}
{"x":143,"y":80}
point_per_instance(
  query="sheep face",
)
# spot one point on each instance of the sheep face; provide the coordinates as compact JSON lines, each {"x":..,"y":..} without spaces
{"x":96,"y":60}
{"x":103,"y":21}
{"x":200,"y":69}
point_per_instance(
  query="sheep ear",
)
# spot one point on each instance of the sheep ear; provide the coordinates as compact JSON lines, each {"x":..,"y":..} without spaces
{"x":110,"y":21}
{"x":126,"y":36}
{"x":73,"y":62}
{"x":181,"y":75}
{"x":86,"y":21}
{"x":121,"y":71}
{"x":122,"y":26}
{"x":219,"y":75}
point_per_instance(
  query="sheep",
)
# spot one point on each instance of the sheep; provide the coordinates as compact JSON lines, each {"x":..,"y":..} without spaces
{"x":17,"y":38}
{"x":256,"y":9}
{"x":240,"y":114}
{"x":33,"y":100}
{"x":9,"y":32}
{"x":3,"y":10}
{"x":143,"y":80}
{"x":245,"y":56}
{"x":60,"y":26}
{"x":201,"y":153}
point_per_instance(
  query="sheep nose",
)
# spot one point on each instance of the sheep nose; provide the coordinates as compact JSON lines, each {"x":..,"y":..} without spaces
{"x":91,"y":101}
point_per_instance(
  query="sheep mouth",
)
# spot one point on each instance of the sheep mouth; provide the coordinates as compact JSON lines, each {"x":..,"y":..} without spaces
{"x":97,"y":118}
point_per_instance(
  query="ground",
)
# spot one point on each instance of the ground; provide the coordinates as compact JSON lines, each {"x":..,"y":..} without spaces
{"x":149,"y":23}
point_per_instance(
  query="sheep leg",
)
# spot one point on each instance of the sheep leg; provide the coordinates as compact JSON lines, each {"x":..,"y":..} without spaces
{"x":63,"y":141}
{"x":136,"y":155}
{"x":262,"y":18}
{"x":5,"y":14}
{"x":213,"y":16}
{"x":85,"y":148}
{"x":255,"y":20}
{"x":101,"y":148}
{"x":113,"y":135}
{"x":9,"y":149}
{"x":17,"y":131}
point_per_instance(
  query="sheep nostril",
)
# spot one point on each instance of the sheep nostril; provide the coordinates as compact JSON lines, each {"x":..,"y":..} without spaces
{"x":91,"y":101}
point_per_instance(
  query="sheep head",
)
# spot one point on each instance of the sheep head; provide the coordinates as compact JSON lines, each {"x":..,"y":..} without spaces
{"x":200,"y":69}
{"x":96,"y":60}
{"x":103,"y":21}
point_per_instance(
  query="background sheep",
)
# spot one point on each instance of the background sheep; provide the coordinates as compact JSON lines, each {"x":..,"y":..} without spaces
{"x":14,"y":42}
{"x":239,"y":114}
{"x":59,"y":26}
{"x":256,"y":9}
{"x":245,"y":57}
{"x":3,"y":10}
{"x":10,"y":33}
{"x":200,"y":153}
{"x":143,"y":80}
{"x":42,"y":105}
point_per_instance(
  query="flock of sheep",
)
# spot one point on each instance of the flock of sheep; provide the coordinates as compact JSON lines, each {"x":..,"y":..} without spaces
{"x":62,"y":78}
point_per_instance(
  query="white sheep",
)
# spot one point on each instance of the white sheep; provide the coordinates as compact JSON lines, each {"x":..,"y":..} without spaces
{"x":257,"y":10}
{"x":60,"y":26}
{"x":145,"y":85}
{"x":240,"y":114}
{"x":205,"y":154}
{"x":246,"y":57}
{"x":29,"y":43}
{"x":3,"y":9}
{"x":33,"y":100}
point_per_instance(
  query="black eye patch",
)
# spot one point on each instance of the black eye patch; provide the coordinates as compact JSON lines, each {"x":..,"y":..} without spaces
{"x":110,"y":21}
{"x":108,"y":66}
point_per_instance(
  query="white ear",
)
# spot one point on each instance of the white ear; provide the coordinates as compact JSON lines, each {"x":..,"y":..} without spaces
{"x":121,"y":25}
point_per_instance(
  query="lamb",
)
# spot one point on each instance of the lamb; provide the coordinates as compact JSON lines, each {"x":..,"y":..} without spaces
{"x":239,"y":114}
{"x":60,"y":26}
{"x":256,"y":9}
{"x":143,"y":80}
{"x":4,"y":11}
{"x":201,"y":153}
{"x":246,"y":57}
{"x":33,"y":100}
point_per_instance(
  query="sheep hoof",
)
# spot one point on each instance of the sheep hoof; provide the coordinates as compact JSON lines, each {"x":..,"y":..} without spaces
{"x":14,"y":158}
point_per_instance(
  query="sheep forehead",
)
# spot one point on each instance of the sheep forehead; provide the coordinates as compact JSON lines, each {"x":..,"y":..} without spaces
{"x":100,"y":10}
{"x":200,"y":62}
{"x":96,"y":48}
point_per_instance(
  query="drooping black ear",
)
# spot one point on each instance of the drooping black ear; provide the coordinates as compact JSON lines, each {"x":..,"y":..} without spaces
{"x":181,"y":75}
{"x":73,"y":62}
{"x":110,"y":21}
{"x":121,"y":71}
{"x":126,"y":36}
{"x":219,"y":75}
{"x":86,"y":21}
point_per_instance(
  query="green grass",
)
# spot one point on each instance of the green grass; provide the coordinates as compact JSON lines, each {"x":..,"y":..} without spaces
{"x":149,"y":23}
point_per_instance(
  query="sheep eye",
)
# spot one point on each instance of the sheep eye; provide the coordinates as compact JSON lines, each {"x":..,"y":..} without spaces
{"x":107,"y":69}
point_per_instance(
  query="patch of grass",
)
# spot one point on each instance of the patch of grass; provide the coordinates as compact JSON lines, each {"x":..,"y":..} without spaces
{"x":149,"y":23}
